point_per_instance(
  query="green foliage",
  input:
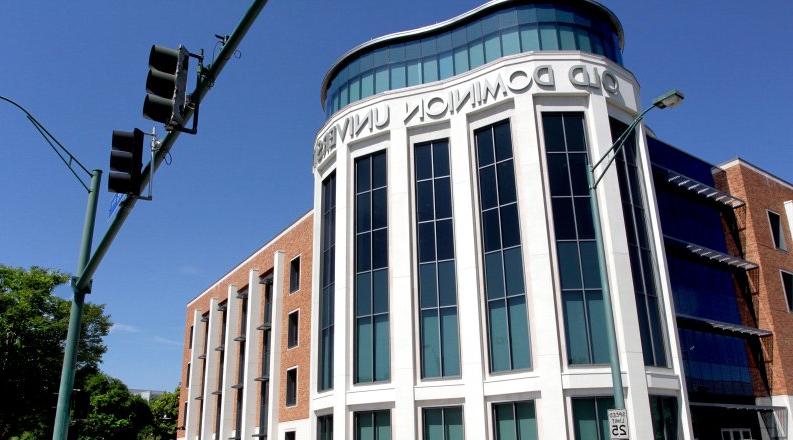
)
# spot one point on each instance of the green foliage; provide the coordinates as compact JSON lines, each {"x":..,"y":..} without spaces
{"x":164,"y":411}
{"x":33,"y":325}
{"x":106,"y":409}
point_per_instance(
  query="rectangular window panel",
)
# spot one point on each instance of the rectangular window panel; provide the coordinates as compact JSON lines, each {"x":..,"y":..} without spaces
{"x":367,"y":85}
{"x":460,"y":60}
{"x":507,"y":316}
{"x":414,"y":72}
{"x":663,"y":410}
{"x":327,"y":278}
{"x":443,"y":423}
{"x":590,"y":417}
{"x":291,"y":387}
{"x":548,"y":38}
{"x":371,"y":325}
{"x":437,"y":279}
{"x":643,"y":270}
{"x":787,"y":287}
{"x":372,"y":425}
{"x":325,"y":427}
{"x":476,"y":54}
{"x":577,"y":262}
{"x":529,"y":38}
{"x":294,"y":275}
{"x":777,"y":235}
{"x":514,"y":421}
{"x":510,"y":42}
{"x":492,"y":47}
{"x":292,"y":331}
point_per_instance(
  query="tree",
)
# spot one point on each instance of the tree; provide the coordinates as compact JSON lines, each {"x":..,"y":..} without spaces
{"x":164,"y":411}
{"x":33,"y":325}
{"x":106,"y":409}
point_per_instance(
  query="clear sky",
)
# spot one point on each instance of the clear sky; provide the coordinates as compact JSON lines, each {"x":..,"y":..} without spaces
{"x":80,"y":67}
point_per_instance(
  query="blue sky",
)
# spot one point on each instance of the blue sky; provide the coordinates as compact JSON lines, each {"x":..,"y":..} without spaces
{"x":80,"y":67}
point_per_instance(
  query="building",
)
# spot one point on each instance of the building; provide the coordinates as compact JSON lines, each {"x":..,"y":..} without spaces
{"x":147,"y":395}
{"x":458,"y":289}
{"x":246,"y":357}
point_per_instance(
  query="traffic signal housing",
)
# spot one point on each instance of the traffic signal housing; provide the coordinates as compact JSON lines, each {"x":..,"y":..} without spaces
{"x":126,"y":161}
{"x":166,"y":85}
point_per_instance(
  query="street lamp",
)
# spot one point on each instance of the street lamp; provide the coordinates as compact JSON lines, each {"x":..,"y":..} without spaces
{"x":667,"y":100}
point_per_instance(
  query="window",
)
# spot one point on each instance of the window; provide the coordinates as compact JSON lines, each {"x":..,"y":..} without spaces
{"x":190,"y":340}
{"x":507,"y":316}
{"x":440,"y":346}
{"x":590,"y":417}
{"x":187,"y":376}
{"x":777,"y":235}
{"x":643,"y":271}
{"x":327,"y":277}
{"x":371,"y":354}
{"x":373,"y":425}
{"x":443,"y":423}
{"x":294,"y":275}
{"x":289,"y":435}
{"x":577,"y":259}
{"x":292,"y":331}
{"x":291,"y":387}
{"x":787,"y":288}
{"x":514,"y":421}
{"x":663,"y":410}
{"x":325,"y":427}
{"x":264,"y":373}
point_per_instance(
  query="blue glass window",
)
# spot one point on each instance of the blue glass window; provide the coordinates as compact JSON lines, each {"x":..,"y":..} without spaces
{"x":514,"y":421}
{"x":327,"y":278}
{"x":507,"y":315}
{"x":443,"y":423}
{"x":716,"y":365}
{"x":643,"y":270}
{"x":372,"y":425}
{"x":590,"y":417}
{"x":577,"y":260}
{"x":440,"y":346}
{"x":372,"y":360}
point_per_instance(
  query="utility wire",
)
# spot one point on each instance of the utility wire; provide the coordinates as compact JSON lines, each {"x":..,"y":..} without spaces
{"x":72,"y":159}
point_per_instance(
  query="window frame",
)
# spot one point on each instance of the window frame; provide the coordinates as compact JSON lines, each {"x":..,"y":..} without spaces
{"x":442,"y":408}
{"x":286,"y":391}
{"x":782,"y":245}
{"x":290,"y":343}
{"x":294,"y":275}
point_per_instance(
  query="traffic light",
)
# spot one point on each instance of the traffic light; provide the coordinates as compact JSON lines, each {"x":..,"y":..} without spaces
{"x":166,"y":85}
{"x":126,"y":161}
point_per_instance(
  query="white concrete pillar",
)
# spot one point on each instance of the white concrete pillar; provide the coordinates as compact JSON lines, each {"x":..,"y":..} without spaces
{"x":232,"y":350}
{"x":253,"y":354}
{"x":210,"y":372}
{"x":196,"y":386}
{"x":275,"y":344}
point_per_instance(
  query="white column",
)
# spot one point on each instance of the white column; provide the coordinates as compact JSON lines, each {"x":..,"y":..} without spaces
{"x":211,"y":372}
{"x":252,"y":355}
{"x":275,"y":345}
{"x":403,"y":420}
{"x":342,"y":342}
{"x":623,"y":300}
{"x":468,"y":298}
{"x":670,"y":328}
{"x":789,"y":215}
{"x":545,"y":337}
{"x":232,"y":351}
{"x":196,"y":387}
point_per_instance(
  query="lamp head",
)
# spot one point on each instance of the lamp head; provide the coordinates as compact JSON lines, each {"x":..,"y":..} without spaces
{"x":669,"y":99}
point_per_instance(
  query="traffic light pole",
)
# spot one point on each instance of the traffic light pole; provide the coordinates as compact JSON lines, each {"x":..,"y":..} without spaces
{"x":87,"y":268}
{"x":75,"y":317}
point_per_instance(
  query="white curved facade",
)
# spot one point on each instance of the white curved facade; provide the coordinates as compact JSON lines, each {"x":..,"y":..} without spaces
{"x":518,"y":88}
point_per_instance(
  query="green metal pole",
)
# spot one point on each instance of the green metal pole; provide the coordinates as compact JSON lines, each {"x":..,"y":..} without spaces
{"x":61,"y":428}
{"x":611,"y":335}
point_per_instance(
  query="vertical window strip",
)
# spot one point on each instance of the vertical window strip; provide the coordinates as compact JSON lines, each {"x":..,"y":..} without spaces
{"x":648,"y":303}
{"x":436,"y":275}
{"x":663,"y":410}
{"x":443,"y":423}
{"x":514,"y":421}
{"x":264,"y":378}
{"x":590,"y":417}
{"x":325,"y":427}
{"x":577,"y":262}
{"x":372,"y":340}
{"x":373,"y":425}
{"x":507,"y":315}
{"x":327,"y":277}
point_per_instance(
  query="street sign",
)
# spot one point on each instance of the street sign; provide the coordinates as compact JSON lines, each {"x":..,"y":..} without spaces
{"x":117,"y":199}
{"x":618,"y":424}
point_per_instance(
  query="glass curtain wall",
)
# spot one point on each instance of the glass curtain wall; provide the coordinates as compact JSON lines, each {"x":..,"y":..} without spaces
{"x":579,"y":269}
{"x":643,"y":269}
{"x":440,"y":352}
{"x":443,"y":423}
{"x":514,"y":421}
{"x":372,"y":360}
{"x":327,"y":279}
{"x":507,"y":316}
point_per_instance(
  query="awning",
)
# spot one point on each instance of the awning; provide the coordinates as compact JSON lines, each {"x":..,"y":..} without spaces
{"x":700,"y":189}
{"x":710,"y":254}
{"x":722,"y":327}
